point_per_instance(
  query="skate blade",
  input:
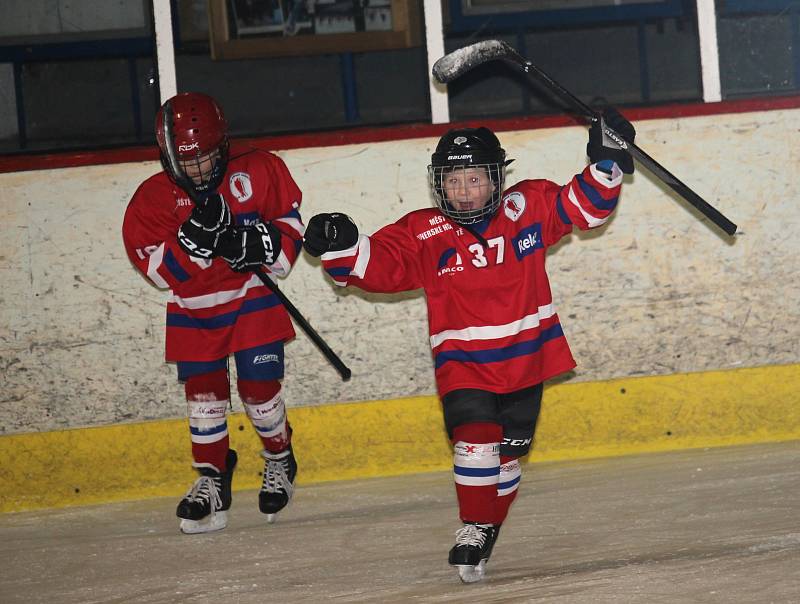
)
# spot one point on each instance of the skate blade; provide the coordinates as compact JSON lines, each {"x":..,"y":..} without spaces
{"x":212,"y":522}
{"x":472,"y":574}
{"x":271,"y":518}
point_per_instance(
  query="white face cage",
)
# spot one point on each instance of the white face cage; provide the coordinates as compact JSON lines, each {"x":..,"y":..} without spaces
{"x":484,"y":203}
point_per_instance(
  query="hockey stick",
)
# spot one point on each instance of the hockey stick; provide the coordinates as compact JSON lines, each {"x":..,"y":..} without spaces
{"x":185,"y":183}
{"x":458,"y":62}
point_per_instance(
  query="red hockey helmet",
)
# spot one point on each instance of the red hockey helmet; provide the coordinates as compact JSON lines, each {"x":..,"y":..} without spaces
{"x":201,"y":139}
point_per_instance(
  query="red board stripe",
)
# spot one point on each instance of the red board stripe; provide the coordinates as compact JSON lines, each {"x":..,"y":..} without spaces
{"x":358,"y":135}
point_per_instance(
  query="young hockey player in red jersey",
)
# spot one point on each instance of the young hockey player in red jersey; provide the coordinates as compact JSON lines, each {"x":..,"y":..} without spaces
{"x":247,"y":217}
{"x":494,"y":332}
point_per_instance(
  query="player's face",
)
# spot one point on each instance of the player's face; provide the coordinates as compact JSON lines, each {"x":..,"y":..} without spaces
{"x":199,"y":168}
{"x":467,"y":188}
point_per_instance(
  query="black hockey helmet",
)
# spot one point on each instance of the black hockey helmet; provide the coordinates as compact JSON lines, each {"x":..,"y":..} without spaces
{"x":463,"y":148}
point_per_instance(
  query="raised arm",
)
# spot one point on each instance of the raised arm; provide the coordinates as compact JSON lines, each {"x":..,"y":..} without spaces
{"x":386,"y":261}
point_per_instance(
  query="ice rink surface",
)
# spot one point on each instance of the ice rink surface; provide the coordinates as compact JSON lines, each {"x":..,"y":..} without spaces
{"x":707,"y":525}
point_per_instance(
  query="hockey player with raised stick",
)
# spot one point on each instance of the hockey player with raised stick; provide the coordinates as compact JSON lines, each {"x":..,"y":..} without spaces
{"x":494,"y":332}
{"x":242,"y":213}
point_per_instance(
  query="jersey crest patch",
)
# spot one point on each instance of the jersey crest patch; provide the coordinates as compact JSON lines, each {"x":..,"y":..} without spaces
{"x":241,"y":187}
{"x":514,"y":205}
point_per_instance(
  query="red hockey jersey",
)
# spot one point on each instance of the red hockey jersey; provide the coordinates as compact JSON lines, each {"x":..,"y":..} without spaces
{"x":491,"y":319}
{"x":214,"y":311}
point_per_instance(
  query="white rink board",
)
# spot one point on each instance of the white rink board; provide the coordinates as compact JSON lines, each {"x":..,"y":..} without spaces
{"x":654,"y":292}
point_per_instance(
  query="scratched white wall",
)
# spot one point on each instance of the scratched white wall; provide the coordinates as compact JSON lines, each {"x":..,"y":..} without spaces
{"x":655,"y":292}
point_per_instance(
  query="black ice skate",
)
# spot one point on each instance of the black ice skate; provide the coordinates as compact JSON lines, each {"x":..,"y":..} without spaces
{"x":278,"y":485}
{"x":474,"y":543}
{"x":204,"y":508}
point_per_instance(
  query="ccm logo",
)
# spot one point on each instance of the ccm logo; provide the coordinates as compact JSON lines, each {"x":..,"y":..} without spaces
{"x":517,"y":442}
{"x":187,"y":147}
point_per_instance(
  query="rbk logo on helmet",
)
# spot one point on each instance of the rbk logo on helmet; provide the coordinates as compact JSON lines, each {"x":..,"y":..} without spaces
{"x":200,"y":136}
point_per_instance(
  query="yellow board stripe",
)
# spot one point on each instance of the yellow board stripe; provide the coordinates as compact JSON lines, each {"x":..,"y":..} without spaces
{"x":391,"y":437}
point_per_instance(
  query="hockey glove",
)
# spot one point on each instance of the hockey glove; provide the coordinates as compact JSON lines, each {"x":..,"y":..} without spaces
{"x":199,"y":235}
{"x":602,"y":147}
{"x":247,"y":248}
{"x":329,"y":233}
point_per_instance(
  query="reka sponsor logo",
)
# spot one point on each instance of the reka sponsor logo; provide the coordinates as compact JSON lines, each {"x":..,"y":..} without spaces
{"x":528,"y":240}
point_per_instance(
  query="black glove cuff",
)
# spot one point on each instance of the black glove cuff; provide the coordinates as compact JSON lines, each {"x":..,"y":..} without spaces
{"x":620,"y":157}
{"x":213,"y":214}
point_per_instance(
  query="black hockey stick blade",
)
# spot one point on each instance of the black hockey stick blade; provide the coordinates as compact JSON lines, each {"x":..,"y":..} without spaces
{"x":458,"y":62}
{"x":185,"y":183}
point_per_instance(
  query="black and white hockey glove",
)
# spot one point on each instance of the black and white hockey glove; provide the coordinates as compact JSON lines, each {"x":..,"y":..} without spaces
{"x":247,"y":248}
{"x":329,"y":233}
{"x":199,"y":235}
{"x":602,"y":147}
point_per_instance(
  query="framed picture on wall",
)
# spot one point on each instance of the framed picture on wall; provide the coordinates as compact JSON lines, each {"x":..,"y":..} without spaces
{"x":193,"y":20}
{"x":475,"y":7}
{"x":475,"y":15}
{"x":264,"y":28}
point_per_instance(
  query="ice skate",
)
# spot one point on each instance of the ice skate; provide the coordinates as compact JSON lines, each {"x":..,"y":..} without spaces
{"x":205,"y":506}
{"x":278,"y":485}
{"x":474,"y":543}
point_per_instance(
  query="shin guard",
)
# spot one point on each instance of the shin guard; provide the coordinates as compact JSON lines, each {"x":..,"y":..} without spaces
{"x":208,"y":397}
{"x":510,"y":475}
{"x":476,"y":466}
{"x":267,"y":412}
